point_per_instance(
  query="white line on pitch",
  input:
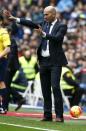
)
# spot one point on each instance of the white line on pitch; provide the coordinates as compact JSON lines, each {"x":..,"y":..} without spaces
{"x":30,"y":127}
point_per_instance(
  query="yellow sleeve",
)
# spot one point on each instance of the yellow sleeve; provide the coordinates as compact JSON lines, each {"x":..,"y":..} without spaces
{"x":6,"y":39}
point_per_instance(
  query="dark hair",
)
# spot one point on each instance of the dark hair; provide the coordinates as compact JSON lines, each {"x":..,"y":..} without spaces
{"x":13,"y":28}
{"x":1,"y":18}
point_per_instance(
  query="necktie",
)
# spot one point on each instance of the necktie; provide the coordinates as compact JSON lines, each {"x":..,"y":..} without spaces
{"x":44,"y":42}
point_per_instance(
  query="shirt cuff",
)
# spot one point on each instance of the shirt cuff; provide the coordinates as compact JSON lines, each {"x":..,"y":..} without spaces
{"x":43,"y":34}
{"x":18,"y":20}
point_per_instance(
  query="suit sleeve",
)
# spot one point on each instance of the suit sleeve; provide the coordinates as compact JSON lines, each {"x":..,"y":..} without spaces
{"x":28,"y":23}
{"x":59,"y":35}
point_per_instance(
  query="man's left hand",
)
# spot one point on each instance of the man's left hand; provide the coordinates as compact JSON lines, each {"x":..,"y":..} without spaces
{"x":39,"y":31}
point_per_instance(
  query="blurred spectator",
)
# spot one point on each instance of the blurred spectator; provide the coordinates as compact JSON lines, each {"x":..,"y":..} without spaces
{"x":71,"y":86}
{"x":73,"y":12}
{"x":29,"y":64}
{"x":65,"y":5}
{"x":37,"y":15}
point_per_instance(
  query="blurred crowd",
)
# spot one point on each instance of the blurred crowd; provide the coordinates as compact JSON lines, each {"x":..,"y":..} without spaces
{"x":72,"y":12}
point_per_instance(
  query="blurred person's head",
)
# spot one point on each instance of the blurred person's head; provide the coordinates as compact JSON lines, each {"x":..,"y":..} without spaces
{"x":70,"y":54}
{"x":24,"y":11}
{"x":26,"y":37}
{"x":80,"y":5}
{"x":79,"y":62}
{"x":83,"y":50}
{"x":23,"y":3}
{"x":79,"y":40}
{"x":35,"y":34}
{"x":10,"y":7}
{"x":28,"y":15}
{"x":33,"y":42}
{"x":26,"y":43}
{"x":37,"y":14}
{"x":27,"y":54}
{"x":6,"y":22}
{"x":84,"y":63}
{"x":33,"y":50}
{"x":77,"y":55}
{"x":23,"y":47}
{"x":3,"y":20}
{"x":72,"y":65}
{"x":19,"y":14}
{"x":15,"y":2}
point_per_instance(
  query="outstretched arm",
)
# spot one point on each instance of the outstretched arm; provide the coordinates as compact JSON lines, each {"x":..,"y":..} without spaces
{"x":28,"y":23}
{"x":21,"y":21}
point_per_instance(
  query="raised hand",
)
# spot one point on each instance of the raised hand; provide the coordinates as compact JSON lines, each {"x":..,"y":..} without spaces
{"x":39,"y":30}
{"x":7,"y":14}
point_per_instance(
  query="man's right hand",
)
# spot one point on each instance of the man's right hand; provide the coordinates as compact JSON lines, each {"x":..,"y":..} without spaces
{"x":7,"y":14}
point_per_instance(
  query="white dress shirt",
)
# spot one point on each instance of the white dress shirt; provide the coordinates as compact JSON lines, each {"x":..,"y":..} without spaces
{"x":18,"y":20}
{"x":45,"y":53}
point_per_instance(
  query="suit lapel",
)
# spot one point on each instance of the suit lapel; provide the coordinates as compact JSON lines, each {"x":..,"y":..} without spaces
{"x":54,"y":27}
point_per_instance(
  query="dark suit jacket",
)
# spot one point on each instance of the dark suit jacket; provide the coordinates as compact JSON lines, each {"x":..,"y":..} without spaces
{"x":28,"y":23}
{"x":56,"y":37}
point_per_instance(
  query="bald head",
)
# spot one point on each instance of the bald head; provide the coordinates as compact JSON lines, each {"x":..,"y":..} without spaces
{"x":50,"y":9}
{"x":49,"y":13}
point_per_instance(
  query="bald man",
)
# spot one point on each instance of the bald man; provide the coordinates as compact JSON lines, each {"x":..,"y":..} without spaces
{"x":51,"y":58}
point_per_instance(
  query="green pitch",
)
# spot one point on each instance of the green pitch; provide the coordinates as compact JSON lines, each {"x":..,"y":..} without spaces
{"x":13,"y":123}
{"x":30,"y":124}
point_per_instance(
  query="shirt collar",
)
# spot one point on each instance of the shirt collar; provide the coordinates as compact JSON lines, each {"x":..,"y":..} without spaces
{"x":54,"y":22}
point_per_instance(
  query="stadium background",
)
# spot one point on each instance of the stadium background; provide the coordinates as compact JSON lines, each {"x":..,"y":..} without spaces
{"x":72,"y":12}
